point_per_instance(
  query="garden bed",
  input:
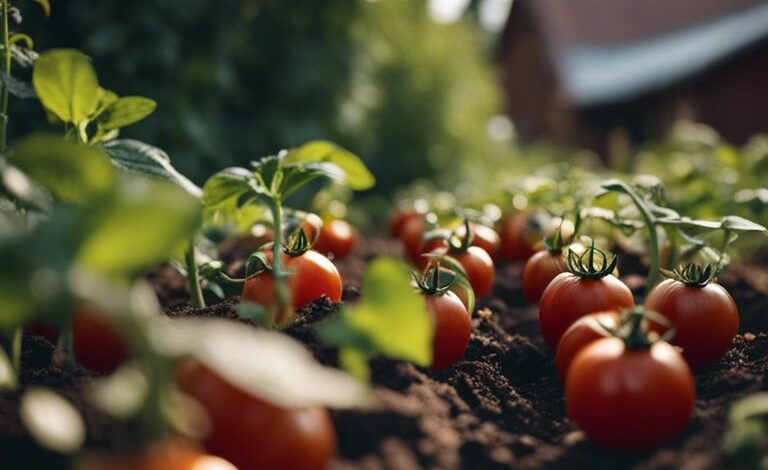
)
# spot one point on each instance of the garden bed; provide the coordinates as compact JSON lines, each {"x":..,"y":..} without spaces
{"x":501,"y":407}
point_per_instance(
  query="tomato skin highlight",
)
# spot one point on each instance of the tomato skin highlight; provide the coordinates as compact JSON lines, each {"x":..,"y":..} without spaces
{"x":96,"y":342}
{"x":165,"y":455}
{"x":539,"y":271}
{"x":452,"y":329}
{"x":312,"y":276}
{"x":254,"y":434}
{"x":479,"y":267}
{"x":583,"y":332}
{"x":513,"y":244}
{"x":705,"y":318}
{"x":569,"y":297}
{"x":337,"y":238}
{"x":629,"y":400}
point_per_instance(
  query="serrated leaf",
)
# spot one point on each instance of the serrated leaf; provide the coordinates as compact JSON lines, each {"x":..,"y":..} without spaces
{"x":353,"y":171}
{"x":139,"y":226}
{"x":125,"y":111}
{"x":52,"y":421}
{"x":66,"y":84}
{"x":144,"y":159}
{"x":267,"y":364}
{"x":74,"y":173}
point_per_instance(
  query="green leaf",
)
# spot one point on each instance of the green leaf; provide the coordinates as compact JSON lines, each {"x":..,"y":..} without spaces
{"x":144,"y":159}
{"x":353,"y":170}
{"x":46,"y":6}
{"x":740,"y":224}
{"x":141,"y":225}
{"x":66,"y":83}
{"x":8,"y":379}
{"x":124,"y":112}
{"x":391,"y":320}
{"x":74,"y":173}
{"x":355,"y":362}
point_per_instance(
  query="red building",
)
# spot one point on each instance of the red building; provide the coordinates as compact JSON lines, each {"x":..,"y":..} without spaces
{"x":594,"y":73}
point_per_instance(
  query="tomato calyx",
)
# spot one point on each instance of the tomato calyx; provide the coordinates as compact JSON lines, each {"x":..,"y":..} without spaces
{"x":585,"y":267}
{"x":297,"y":243}
{"x":692,"y":274}
{"x":457,"y":243}
{"x":435,"y":280}
{"x":256,"y":264}
{"x":633,"y":328}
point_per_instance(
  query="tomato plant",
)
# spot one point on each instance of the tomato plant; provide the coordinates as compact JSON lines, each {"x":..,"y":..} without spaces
{"x":630,"y":393}
{"x":582,"y":332}
{"x":585,"y":288}
{"x":255,"y":434}
{"x":704,"y":316}
{"x":337,"y":239}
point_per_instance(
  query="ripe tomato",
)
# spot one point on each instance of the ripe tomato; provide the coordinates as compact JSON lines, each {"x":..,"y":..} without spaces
{"x":97,"y":343}
{"x":254,"y":434}
{"x":452,"y":328}
{"x":629,"y":399}
{"x":705,"y":318}
{"x":569,"y":297}
{"x":429,"y":246}
{"x":483,"y":236}
{"x":165,"y":455}
{"x":479,"y":267}
{"x":312,"y":276}
{"x":398,"y":219}
{"x":49,"y":332}
{"x":513,"y":243}
{"x":539,"y":271}
{"x":337,"y":238}
{"x":410,"y":236}
{"x":583,"y":332}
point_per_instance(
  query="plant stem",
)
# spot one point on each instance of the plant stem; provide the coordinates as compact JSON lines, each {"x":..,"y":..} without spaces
{"x":7,"y":70}
{"x":723,"y":249}
{"x":653,"y":240}
{"x":16,"y":350}
{"x":195,"y":291}
{"x":284,"y":302}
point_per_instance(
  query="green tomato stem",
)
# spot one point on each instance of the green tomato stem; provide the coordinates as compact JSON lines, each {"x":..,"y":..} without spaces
{"x":7,"y":69}
{"x":281,"y":286}
{"x":653,"y":240}
{"x":195,"y":291}
{"x":16,"y":349}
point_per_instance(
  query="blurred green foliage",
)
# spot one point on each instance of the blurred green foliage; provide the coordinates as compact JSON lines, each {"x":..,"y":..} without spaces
{"x":236,"y":79}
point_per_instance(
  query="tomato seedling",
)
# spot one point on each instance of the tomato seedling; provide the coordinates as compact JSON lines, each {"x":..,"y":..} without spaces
{"x":703,"y":314}
{"x":630,"y":392}
{"x":585,"y":288}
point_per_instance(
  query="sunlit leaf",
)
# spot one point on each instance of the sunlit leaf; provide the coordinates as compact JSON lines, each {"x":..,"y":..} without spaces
{"x":267,"y":364}
{"x":140,"y":226}
{"x":52,"y":421}
{"x":66,"y":83}
{"x":73,"y":172}
{"x":144,"y":159}
{"x":125,"y":111}
{"x":353,"y":171}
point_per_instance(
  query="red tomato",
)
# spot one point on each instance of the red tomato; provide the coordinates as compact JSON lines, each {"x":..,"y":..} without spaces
{"x":312,"y":276}
{"x":399,"y":218}
{"x":254,"y":434}
{"x":97,"y":343}
{"x":513,"y":244}
{"x":483,"y":236}
{"x":629,"y":399}
{"x":410,"y":236}
{"x":539,"y":271}
{"x":452,"y":329}
{"x":336,"y":238}
{"x":433,"y":244}
{"x":569,"y":297}
{"x":49,"y":332}
{"x":166,"y":455}
{"x":705,"y":318}
{"x":583,"y":332}
{"x":479,"y":267}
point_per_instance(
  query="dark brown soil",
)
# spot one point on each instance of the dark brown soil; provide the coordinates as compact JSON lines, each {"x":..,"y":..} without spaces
{"x":501,"y":407}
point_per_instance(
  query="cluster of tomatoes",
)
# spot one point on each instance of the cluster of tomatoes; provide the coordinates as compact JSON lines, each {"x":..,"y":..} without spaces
{"x":625,"y":385}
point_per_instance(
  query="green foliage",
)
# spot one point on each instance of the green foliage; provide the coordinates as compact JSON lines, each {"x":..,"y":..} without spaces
{"x":390,"y":320}
{"x":355,"y":175}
